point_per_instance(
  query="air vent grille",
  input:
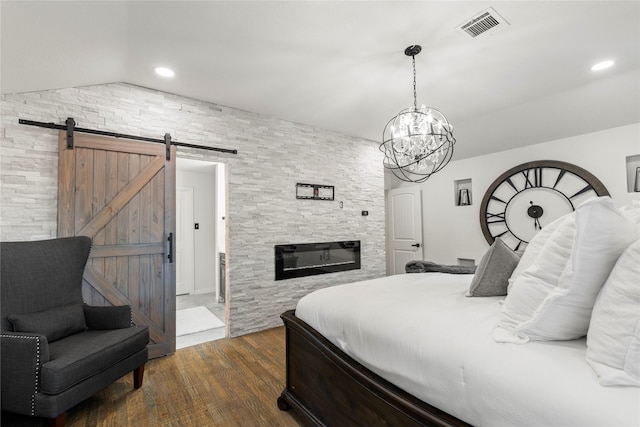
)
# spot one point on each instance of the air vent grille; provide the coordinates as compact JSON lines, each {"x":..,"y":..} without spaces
{"x":484,"y":23}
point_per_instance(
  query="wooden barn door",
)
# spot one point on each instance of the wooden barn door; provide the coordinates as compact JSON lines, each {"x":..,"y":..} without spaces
{"x":121,"y":193}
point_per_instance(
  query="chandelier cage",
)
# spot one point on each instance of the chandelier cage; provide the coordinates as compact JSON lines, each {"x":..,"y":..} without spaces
{"x":418,"y":142}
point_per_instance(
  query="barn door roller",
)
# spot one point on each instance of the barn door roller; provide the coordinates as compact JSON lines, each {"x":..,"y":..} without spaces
{"x":71,"y":125}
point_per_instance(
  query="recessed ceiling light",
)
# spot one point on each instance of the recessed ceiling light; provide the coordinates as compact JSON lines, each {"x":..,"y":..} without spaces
{"x":164,"y":72}
{"x":602,"y":65}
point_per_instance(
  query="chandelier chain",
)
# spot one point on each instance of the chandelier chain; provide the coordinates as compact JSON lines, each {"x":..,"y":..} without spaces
{"x":415,"y":94}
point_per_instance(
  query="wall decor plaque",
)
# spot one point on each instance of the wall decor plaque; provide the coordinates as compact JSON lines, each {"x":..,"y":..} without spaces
{"x":314,"y":191}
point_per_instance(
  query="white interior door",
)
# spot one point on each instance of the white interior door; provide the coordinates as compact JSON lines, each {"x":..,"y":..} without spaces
{"x":185,"y":266}
{"x":404,"y":227}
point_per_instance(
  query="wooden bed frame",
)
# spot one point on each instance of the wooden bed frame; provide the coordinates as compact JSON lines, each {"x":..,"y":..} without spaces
{"x":326,"y":387}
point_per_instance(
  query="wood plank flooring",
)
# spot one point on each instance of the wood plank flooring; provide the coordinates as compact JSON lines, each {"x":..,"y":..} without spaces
{"x":228,"y":382}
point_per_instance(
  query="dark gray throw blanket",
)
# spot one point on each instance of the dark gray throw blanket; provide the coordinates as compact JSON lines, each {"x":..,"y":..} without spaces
{"x":428,"y":266}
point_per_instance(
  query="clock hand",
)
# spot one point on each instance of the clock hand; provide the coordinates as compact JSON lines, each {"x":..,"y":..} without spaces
{"x":535,"y":212}
{"x":537,"y":224}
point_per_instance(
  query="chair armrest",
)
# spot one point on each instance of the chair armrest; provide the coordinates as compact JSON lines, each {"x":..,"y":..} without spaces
{"x":23,"y":355}
{"x":116,"y":317}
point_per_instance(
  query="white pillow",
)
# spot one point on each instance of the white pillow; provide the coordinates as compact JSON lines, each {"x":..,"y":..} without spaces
{"x":538,"y":241}
{"x":552,"y":299}
{"x":613,"y":341}
{"x":632,"y":212}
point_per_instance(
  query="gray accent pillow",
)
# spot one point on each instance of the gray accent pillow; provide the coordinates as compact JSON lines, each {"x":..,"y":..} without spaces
{"x":494,"y":270}
{"x":55,"y":323}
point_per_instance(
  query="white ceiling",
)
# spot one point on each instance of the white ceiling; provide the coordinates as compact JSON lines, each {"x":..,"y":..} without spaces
{"x":341,"y":65}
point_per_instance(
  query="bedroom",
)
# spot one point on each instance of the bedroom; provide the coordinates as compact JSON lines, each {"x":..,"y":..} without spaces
{"x":279,"y":148}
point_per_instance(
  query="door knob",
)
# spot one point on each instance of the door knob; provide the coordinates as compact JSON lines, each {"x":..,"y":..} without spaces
{"x":417,"y":245}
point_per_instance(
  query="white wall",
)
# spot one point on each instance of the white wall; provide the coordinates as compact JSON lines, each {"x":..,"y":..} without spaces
{"x":262,"y":210}
{"x":451,"y":232}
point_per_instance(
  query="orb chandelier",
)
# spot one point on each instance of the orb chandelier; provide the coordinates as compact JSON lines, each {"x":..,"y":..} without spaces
{"x":418,"y":142}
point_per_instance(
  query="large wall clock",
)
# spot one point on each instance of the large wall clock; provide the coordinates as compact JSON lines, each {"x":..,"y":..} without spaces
{"x":524,"y":199}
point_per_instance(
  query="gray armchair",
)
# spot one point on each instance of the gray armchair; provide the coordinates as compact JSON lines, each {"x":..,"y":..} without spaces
{"x":55,"y":350}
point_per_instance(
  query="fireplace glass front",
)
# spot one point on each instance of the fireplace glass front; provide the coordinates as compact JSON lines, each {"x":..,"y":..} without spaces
{"x":308,"y":259}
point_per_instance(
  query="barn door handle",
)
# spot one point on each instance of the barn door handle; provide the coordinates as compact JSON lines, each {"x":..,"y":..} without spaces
{"x":417,"y":245}
{"x":170,"y":256}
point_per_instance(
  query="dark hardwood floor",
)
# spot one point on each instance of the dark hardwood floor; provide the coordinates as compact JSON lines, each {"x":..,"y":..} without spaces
{"x":228,"y":382}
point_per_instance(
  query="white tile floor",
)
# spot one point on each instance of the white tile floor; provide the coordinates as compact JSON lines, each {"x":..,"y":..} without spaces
{"x":218,"y":309}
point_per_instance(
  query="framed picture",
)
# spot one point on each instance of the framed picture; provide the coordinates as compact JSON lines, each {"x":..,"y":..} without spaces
{"x":636,"y":185}
{"x":304,"y":191}
{"x":464,"y":198}
{"x":314,"y":191}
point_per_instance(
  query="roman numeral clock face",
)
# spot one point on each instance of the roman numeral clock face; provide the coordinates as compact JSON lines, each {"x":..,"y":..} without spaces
{"x":526,"y":198}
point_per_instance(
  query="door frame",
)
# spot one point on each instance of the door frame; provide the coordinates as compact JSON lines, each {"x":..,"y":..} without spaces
{"x":220,"y":173}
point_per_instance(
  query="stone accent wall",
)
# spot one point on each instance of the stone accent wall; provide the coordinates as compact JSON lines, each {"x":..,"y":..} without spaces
{"x":273,"y":155}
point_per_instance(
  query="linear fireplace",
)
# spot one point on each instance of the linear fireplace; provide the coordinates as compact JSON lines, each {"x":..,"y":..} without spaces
{"x":308,"y":259}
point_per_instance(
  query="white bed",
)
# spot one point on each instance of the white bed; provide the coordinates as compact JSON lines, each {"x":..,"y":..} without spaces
{"x":549,"y":338}
{"x":421,"y":333}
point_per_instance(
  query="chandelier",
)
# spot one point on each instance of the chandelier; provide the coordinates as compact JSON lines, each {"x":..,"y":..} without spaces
{"x":418,"y":142}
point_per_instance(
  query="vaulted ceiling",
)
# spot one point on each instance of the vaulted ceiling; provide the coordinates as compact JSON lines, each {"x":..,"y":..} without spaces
{"x":341,"y":66}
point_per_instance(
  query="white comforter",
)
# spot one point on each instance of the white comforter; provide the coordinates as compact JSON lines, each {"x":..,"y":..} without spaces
{"x":420,"y":332}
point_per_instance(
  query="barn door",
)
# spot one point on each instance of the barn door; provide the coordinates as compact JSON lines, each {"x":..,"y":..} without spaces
{"x":121,"y":193}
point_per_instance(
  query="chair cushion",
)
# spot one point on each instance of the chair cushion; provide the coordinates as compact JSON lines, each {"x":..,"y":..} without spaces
{"x":112,"y":317}
{"x":54,"y":323}
{"x":80,"y":356}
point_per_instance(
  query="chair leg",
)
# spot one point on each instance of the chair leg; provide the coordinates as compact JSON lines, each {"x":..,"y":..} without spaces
{"x":138,"y":374}
{"x":58,"y":421}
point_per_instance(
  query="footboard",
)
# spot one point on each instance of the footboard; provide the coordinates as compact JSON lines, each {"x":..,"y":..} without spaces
{"x":326,"y":387}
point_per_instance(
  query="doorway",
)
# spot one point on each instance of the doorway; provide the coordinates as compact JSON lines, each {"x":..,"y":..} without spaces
{"x":200,"y":252}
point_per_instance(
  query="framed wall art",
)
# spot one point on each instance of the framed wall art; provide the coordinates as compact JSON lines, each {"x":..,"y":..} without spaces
{"x":314,"y":191}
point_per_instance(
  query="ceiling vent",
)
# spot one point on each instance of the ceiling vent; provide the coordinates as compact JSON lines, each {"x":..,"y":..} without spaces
{"x":486,"y":22}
